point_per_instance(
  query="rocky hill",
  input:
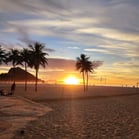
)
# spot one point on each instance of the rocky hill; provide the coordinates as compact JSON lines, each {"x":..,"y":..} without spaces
{"x":20,"y":75}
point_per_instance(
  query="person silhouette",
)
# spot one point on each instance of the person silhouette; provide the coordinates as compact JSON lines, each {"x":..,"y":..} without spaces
{"x":13,"y":88}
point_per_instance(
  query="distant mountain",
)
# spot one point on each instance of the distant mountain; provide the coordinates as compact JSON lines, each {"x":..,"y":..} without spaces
{"x":20,"y":75}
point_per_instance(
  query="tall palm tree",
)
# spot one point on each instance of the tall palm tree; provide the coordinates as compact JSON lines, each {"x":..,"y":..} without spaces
{"x":25,"y":57}
{"x":88,"y":68}
{"x":84,"y":65}
{"x":2,"y":55}
{"x":15,"y":58}
{"x":38,"y":58}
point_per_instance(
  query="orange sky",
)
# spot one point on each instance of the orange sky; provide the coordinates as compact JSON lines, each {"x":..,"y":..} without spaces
{"x":105,"y":30}
{"x":60,"y":69}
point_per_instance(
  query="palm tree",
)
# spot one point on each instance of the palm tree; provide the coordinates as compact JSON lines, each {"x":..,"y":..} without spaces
{"x":81,"y":65}
{"x":88,"y":68}
{"x":38,"y":58}
{"x":15,"y":58}
{"x":84,"y":65}
{"x":2,"y":55}
{"x":25,"y":57}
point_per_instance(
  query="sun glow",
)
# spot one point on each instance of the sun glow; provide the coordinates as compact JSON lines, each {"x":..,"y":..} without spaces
{"x":71,"y":80}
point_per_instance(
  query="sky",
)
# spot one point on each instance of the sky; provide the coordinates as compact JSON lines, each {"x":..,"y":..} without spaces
{"x":104,"y":30}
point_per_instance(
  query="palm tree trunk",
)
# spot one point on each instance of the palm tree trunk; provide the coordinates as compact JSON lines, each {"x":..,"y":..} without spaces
{"x":25,"y":76}
{"x":14,"y":74}
{"x":83,"y":81}
{"x":87,"y":81}
{"x":36,"y":83}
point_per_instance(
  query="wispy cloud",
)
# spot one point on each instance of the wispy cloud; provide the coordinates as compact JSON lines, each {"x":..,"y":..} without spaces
{"x":73,"y":47}
{"x":110,"y":34}
{"x":55,"y":63}
{"x":97,"y":50}
{"x":101,"y":28}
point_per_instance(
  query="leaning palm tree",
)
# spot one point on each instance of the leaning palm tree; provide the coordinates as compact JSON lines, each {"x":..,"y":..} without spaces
{"x":25,"y":58}
{"x":15,"y":58}
{"x":2,"y":55}
{"x":38,"y":58}
{"x":84,"y":65}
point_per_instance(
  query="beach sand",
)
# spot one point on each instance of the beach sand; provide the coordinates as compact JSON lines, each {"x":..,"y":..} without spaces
{"x":99,"y":118}
{"x":102,"y":112}
{"x":16,"y":112}
{"x":67,"y":91}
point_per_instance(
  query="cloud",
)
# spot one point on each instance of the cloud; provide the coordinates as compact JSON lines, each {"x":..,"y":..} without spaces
{"x":110,"y":34}
{"x":49,"y":50}
{"x":67,"y":65}
{"x":101,"y":28}
{"x":54,"y":63}
{"x":73,"y":47}
{"x":97,"y":50}
{"x":8,"y":46}
{"x":24,"y":37}
{"x":130,"y":64}
{"x":96,"y":64}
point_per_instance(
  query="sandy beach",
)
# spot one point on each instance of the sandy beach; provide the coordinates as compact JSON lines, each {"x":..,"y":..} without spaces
{"x":16,"y":112}
{"x":69,"y":69}
{"x":101,"y":118}
{"x":103,"y":112}
{"x":48,"y":92}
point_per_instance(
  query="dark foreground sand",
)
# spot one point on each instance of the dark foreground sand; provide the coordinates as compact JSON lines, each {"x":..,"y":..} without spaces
{"x":114,"y":117}
{"x":16,"y":112}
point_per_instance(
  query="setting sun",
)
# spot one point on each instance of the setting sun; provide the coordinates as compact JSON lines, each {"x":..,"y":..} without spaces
{"x":71,"y":80}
